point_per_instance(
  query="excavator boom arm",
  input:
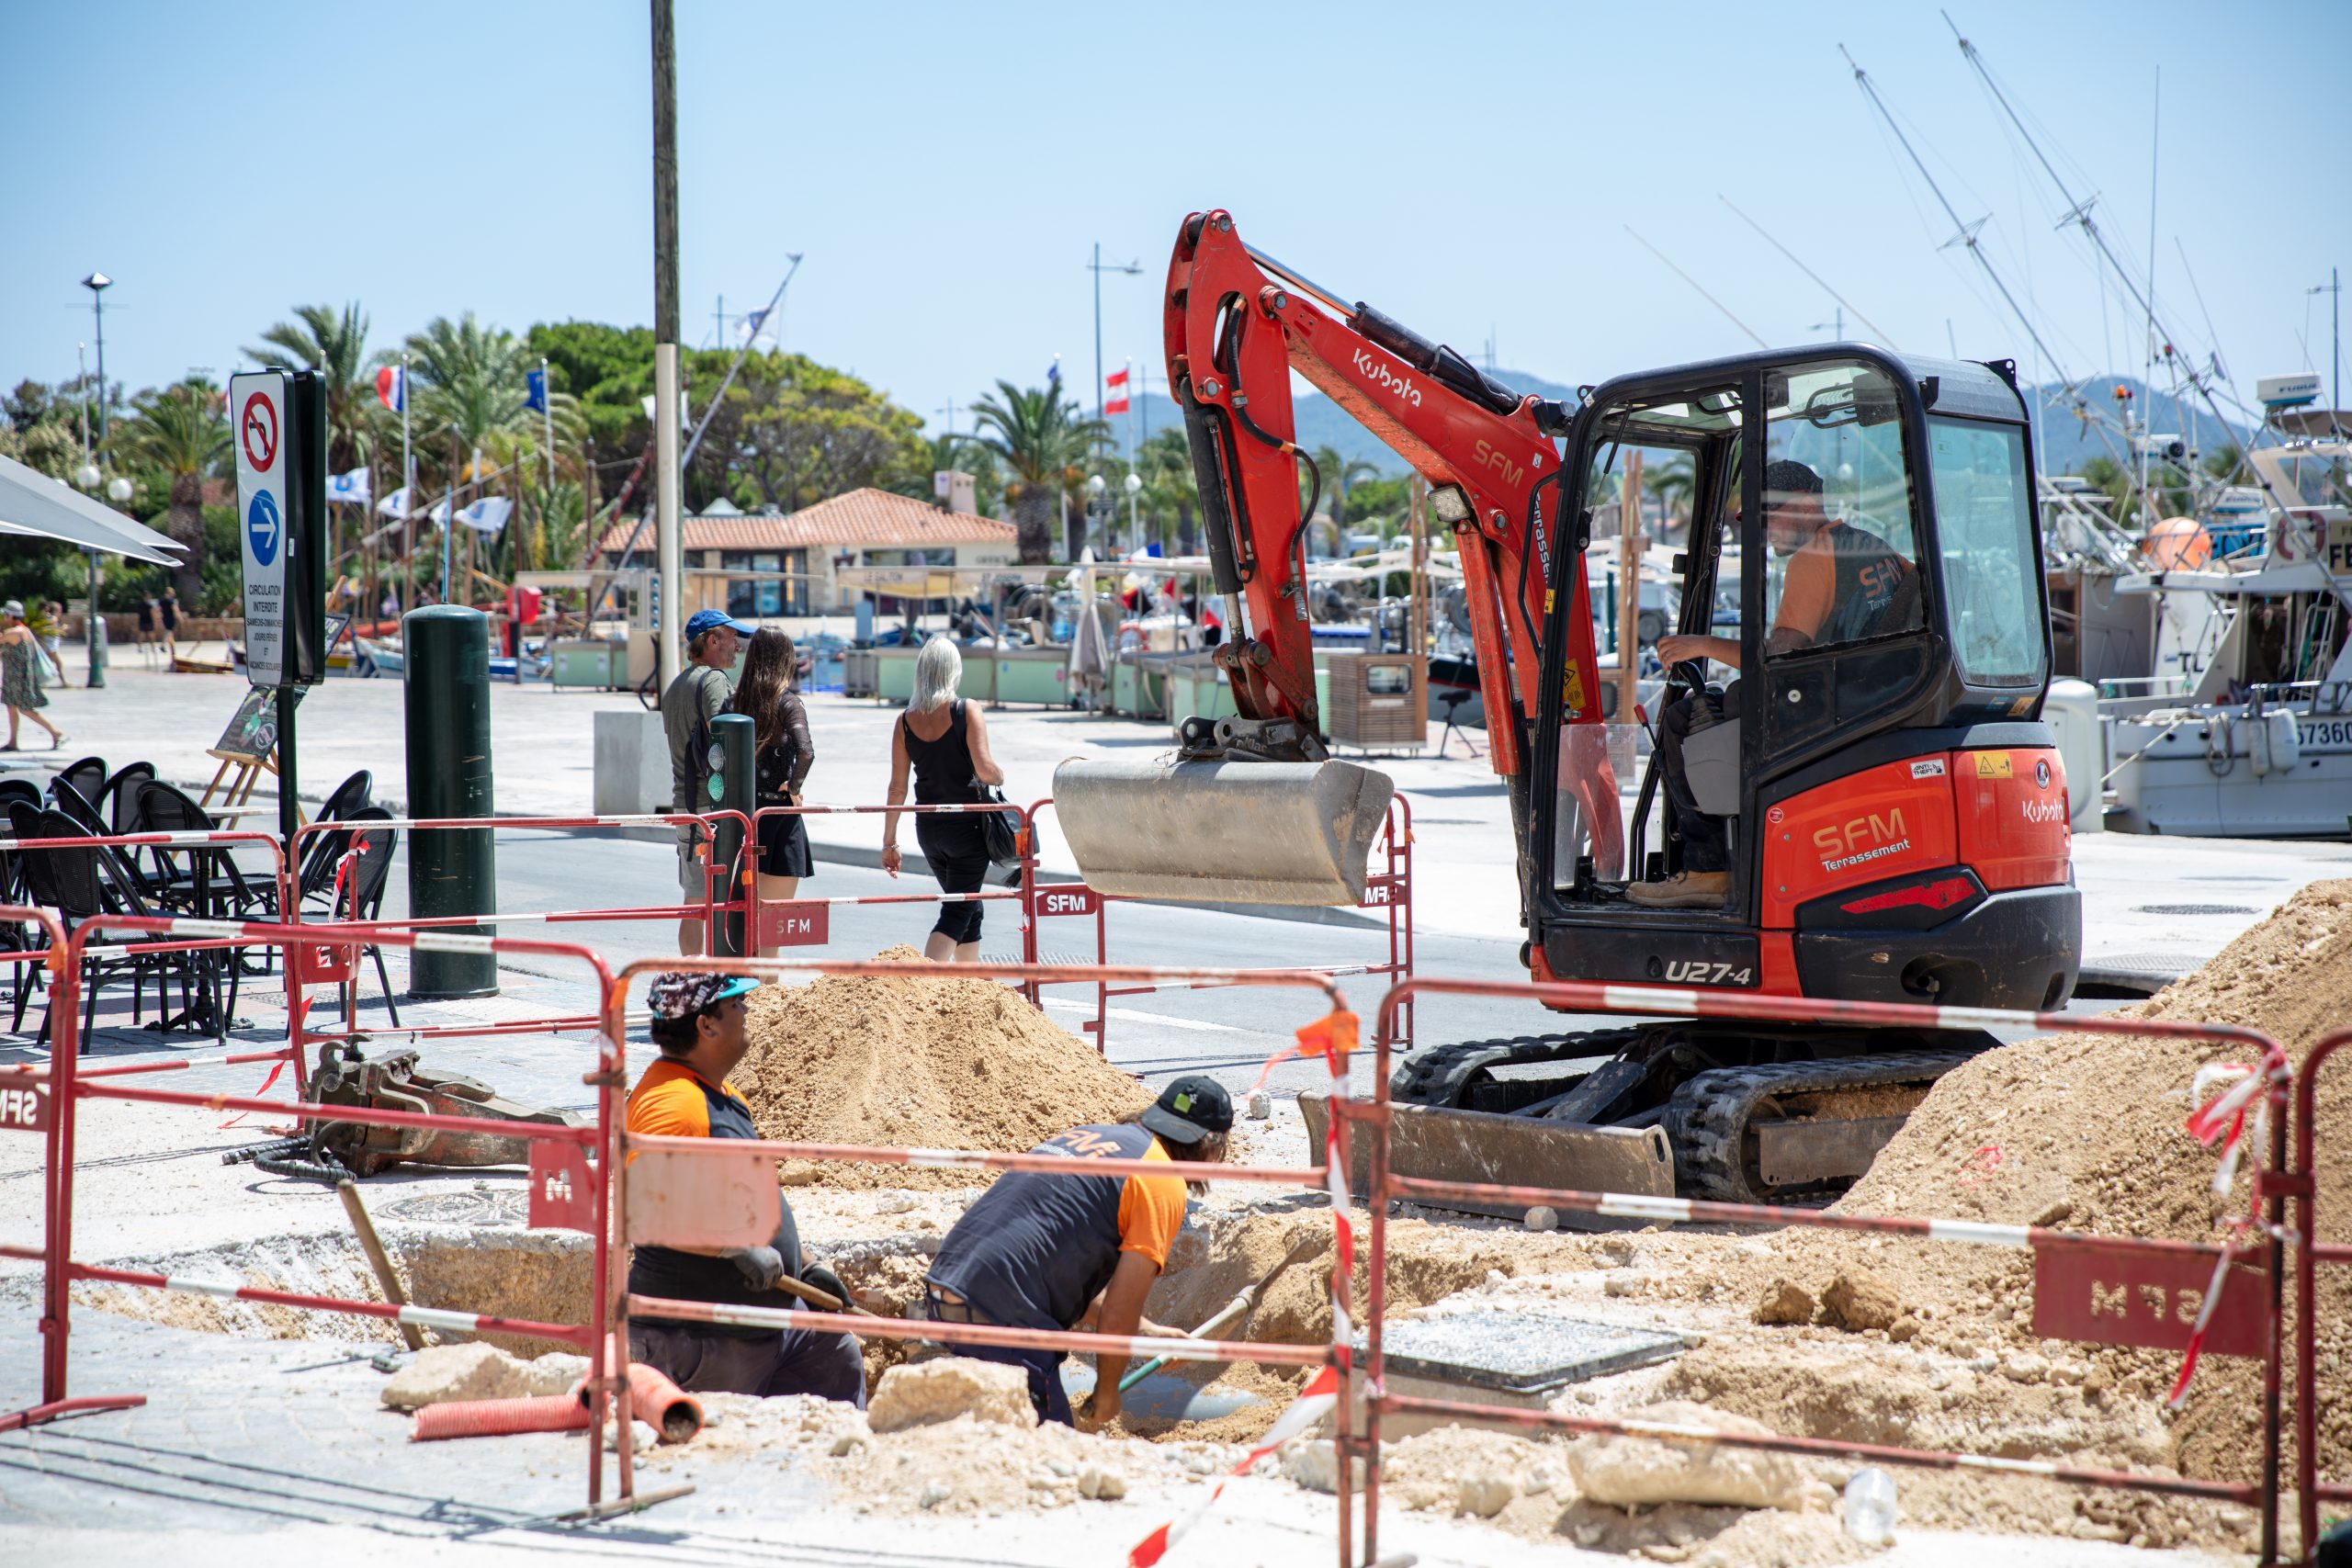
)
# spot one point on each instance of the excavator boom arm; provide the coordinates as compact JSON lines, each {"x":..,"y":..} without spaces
{"x":1236,"y":324}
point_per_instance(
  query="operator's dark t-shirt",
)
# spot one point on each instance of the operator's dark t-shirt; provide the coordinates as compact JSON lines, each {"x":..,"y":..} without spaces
{"x":672,"y":1102}
{"x":1036,"y":1249}
{"x":1845,"y":585}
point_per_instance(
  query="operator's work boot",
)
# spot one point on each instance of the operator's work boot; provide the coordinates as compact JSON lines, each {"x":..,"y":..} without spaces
{"x":1683,"y":890}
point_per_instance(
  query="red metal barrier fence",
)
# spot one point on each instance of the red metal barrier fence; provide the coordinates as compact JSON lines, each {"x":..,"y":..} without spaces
{"x":332,"y":961}
{"x":2185,"y":1267}
{"x":67,"y":1089}
{"x":763,"y":1155}
{"x":593,"y":1163}
{"x":2302,"y":1183}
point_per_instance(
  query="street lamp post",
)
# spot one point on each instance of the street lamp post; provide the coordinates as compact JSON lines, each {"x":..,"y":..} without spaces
{"x":97,"y":283}
{"x":93,"y":625}
{"x":1098,"y":269}
{"x":1135,"y":522}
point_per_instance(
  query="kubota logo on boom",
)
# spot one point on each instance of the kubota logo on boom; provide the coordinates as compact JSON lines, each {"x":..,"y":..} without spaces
{"x":1867,"y":838}
{"x":1402,"y":386}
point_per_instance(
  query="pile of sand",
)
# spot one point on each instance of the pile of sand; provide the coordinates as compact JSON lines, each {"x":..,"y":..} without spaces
{"x":2078,"y":1131}
{"x":930,"y":1061}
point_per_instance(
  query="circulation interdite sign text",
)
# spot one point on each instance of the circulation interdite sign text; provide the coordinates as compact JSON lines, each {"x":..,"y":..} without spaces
{"x":257,"y":408}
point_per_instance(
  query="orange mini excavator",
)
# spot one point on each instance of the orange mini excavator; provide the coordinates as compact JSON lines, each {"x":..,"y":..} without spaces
{"x":1887,"y":812}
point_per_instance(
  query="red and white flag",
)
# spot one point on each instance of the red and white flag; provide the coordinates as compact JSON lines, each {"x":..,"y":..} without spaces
{"x":1117,"y":383}
{"x":1115,"y":378}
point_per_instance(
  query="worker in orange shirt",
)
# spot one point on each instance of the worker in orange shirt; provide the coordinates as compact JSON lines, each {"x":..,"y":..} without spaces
{"x":698,"y":1024}
{"x":1062,"y":1252}
{"x":1842,"y":584}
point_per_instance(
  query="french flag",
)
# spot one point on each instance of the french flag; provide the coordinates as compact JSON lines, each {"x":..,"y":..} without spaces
{"x":392,"y":388}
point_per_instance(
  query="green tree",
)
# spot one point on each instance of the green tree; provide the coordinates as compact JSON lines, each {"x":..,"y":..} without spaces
{"x":182,"y":432}
{"x":790,"y":433}
{"x":469,"y":412}
{"x":1340,"y":474}
{"x":1672,"y":484}
{"x":1170,"y":493}
{"x":333,"y":343}
{"x":1045,"y":439}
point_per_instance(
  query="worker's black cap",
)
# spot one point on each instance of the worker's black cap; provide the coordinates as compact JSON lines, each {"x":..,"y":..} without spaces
{"x":1190,"y":1109}
{"x":1786,"y":476}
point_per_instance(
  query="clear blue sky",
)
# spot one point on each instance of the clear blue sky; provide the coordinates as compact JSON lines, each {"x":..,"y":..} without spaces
{"x":947,"y":167}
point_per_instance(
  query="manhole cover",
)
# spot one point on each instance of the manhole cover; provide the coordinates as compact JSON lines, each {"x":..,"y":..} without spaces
{"x":1520,"y":1352}
{"x":2194,"y":909}
{"x":511,"y":1208}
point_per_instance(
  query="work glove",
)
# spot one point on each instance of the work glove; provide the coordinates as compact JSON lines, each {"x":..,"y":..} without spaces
{"x":825,"y":1279}
{"x":761,"y":1267}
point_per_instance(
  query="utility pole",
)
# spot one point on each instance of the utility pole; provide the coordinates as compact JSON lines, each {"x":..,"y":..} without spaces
{"x":1098,"y":269}
{"x":668,"y":547}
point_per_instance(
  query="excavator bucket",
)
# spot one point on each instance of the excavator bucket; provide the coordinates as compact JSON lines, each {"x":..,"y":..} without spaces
{"x":1439,"y":1145}
{"x":1224,"y":831}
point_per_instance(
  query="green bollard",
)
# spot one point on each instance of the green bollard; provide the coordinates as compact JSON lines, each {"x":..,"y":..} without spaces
{"x":733,"y":787}
{"x":452,"y":871}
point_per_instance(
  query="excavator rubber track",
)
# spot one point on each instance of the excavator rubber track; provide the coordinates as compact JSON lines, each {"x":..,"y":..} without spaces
{"x":1711,"y":1118}
{"x":1445,"y":1075}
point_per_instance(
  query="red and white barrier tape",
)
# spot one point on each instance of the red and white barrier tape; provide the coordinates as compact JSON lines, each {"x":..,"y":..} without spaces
{"x":1330,"y":1037}
{"x":2223,"y":1120}
{"x":1313,"y":1403}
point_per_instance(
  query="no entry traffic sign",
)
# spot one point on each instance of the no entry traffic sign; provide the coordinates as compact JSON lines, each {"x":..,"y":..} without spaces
{"x":258,"y":428}
{"x":263,"y":504}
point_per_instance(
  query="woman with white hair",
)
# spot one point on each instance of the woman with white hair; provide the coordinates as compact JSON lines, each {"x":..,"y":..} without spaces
{"x":947,"y":742}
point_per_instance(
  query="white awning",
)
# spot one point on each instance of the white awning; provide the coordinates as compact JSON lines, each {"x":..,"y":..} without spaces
{"x":33,"y":504}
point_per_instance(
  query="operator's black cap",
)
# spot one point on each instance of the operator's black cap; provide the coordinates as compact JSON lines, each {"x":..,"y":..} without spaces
{"x":1190,"y":1109}
{"x":1789,"y":477}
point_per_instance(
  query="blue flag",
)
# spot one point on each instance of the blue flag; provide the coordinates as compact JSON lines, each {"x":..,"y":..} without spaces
{"x":534,"y":396}
{"x":1053,"y":375}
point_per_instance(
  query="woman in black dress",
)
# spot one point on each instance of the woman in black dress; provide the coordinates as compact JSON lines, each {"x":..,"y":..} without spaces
{"x":946,"y":741}
{"x":768,"y":697}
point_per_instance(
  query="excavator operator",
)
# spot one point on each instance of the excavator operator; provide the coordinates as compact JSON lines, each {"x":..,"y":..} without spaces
{"x":1841,"y":584}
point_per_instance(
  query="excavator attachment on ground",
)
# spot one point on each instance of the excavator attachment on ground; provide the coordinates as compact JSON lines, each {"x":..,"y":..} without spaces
{"x":1223,"y":830}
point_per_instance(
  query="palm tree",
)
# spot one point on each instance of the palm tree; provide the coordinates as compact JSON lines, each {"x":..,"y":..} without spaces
{"x":1169,"y":487}
{"x":335,"y":345}
{"x":1044,"y":438}
{"x":470,"y":389}
{"x":183,"y":431}
{"x":1338,"y":473}
{"x":1672,"y":483}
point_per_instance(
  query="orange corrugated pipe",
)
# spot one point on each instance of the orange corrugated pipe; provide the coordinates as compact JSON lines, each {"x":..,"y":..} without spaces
{"x":499,"y":1417}
{"x":658,"y":1403}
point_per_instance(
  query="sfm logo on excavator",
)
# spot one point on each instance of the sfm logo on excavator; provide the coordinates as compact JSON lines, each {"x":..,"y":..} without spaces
{"x":1511,"y":474}
{"x":1377,"y":370}
{"x":1866,"y":838}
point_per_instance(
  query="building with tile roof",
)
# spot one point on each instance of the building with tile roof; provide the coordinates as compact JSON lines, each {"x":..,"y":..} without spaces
{"x":808,"y":547}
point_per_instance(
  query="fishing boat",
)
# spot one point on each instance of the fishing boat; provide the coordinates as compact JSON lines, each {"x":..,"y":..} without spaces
{"x":2242,"y":728}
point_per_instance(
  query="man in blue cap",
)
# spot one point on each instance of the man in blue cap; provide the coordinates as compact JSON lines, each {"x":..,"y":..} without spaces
{"x":699,"y":1022}
{"x":698,"y":696}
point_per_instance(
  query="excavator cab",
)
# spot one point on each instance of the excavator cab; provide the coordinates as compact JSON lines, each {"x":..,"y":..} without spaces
{"x":1862,"y":614}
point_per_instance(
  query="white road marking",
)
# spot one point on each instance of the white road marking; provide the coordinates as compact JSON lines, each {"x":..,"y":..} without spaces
{"x":1140,"y":1016}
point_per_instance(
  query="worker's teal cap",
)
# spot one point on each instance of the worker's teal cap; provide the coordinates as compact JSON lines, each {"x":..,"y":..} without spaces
{"x":683,"y":994}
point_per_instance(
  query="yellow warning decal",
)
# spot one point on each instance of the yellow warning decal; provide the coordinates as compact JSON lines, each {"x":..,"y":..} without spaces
{"x":1993,"y":765}
{"x":1573,"y":693}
